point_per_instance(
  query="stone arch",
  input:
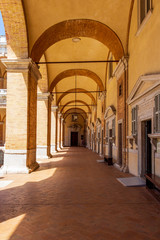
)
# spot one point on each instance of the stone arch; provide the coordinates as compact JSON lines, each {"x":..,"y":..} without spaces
{"x":15,"y":28}
{"x":78,"y":28}
{"x":78,"y":90}
{"x":78,"y":72}
{"x":85,"y":104}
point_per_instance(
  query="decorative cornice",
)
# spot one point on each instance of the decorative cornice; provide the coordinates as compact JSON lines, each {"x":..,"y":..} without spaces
{"x":121,"y":67}
{"x":143,"y":78}
{"x":112,"y":108}
{"x":35,"y":71}
{"x":22,"y":65}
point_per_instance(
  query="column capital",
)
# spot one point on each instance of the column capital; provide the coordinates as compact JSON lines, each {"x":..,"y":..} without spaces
{"x":43,"y":96}
{"x":22,"y":65}
{"x":54,"y":108}
{"x":121,"y":67}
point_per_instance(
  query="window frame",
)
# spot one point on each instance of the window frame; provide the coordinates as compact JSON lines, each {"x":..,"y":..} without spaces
{"x":134,"y":120}
{"x":147,"y":15}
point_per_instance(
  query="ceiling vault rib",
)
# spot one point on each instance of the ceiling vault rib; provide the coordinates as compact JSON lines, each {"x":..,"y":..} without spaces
{"x":66,"y":62}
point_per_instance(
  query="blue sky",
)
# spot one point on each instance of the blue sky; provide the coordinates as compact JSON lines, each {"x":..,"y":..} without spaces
{"x":2,"y":31}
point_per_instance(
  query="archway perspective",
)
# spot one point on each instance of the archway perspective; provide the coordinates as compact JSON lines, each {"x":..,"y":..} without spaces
{"x":82,"y":76}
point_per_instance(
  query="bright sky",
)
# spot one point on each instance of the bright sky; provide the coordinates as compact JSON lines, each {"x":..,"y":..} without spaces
{"x":2,"y":31}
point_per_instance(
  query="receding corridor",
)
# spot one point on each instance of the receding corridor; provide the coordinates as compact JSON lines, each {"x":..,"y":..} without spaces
{"x":74,"y":197}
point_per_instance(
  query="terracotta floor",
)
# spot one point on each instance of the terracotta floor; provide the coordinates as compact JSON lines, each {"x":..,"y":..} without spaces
{"x":72,"y":197}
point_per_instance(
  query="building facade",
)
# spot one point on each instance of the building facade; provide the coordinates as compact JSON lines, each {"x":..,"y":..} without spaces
{"x":88,"y":76}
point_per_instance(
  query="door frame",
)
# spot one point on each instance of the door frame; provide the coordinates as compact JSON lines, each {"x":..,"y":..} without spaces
{"x":144,"y":159}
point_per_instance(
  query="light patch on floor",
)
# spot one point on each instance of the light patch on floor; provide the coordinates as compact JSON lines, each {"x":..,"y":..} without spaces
{"x":132,"y":182}
{"x":5,"y":183}
{"x":7,"y":228}
{"x":43,"y":174}
{"x":101,"y":161}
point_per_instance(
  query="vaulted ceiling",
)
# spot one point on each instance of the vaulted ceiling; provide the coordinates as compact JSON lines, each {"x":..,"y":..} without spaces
{"x":100,"y":25}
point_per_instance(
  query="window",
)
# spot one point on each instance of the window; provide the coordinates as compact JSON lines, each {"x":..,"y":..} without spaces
{"x":144,"y":7}
{"x":157,"y":113}
{"x":134,"y":121}
{"x":120,"y":90}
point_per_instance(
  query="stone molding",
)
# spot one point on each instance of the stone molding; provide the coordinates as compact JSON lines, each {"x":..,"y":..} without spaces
{"x":143,"y":78}
{"x":144,"y":22}
{"x":112,"y":108}
{"x":22,"y":65}
{"x":121,"y":67}
{"x":43,"y":96}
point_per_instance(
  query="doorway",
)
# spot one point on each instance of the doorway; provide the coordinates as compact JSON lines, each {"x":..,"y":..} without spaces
{"x":146,"y":148}
{"x":74,"y":139}
{"x":120,"y":144}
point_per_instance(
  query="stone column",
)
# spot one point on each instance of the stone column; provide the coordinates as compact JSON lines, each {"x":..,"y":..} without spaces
{"x":50,"y":98}
{"x":53,"y":129}
{"x":59,"y":131}
{"x":21,"y":116}
{"x":62,"y":131}
{"x":42,"y":124}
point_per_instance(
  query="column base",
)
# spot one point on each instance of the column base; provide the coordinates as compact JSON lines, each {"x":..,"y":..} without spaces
{"x":42,"y":152}
{"x":120,"y":168}
{"x":15,"y":162}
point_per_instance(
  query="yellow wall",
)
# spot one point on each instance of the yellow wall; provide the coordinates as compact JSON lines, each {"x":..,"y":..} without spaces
{"x":144,"y":50}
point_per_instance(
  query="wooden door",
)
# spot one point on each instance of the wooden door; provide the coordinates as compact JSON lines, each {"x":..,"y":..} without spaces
{"x":74,"y":138}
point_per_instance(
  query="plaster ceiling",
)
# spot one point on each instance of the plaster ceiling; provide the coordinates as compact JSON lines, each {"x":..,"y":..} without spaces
{"x":42,"y":15}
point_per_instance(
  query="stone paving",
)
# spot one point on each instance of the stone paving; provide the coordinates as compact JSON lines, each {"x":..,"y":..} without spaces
{"x":72,"y":197}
